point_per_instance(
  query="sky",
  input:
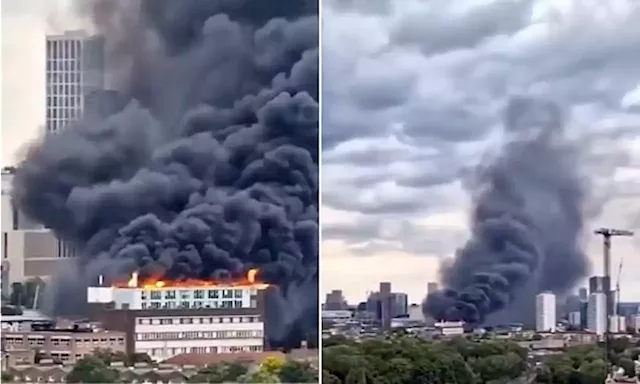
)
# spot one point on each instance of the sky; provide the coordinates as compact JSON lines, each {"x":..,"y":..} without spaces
{"x":25,"y":24}
{"x":413,"y":93}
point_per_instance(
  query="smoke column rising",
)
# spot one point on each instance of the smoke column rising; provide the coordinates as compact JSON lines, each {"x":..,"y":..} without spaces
{"x":210,"y":165}
{"x":526,"y":225}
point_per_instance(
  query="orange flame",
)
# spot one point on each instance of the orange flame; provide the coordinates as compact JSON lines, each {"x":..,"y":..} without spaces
{"x":250,"y":281}
{"x":133,"y":282}
{"x":251,"y":275}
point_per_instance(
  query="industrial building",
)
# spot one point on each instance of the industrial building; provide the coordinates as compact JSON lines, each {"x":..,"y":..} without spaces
{"x":546,"y":312}
{"x":167,"y":319}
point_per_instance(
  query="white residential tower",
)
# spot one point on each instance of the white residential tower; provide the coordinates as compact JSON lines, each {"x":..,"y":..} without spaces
{"x":546,"y":312}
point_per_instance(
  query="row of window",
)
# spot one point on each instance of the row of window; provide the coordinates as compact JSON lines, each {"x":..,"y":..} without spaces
{"x":64,"y":100}
{"x":61,"y":78}
{"x":197,"y":335}
{"x":197,"y":294}
{"x":63,"y":113}
{"x":64,"y":48}
{"x":197,"y":320}
{"x":196,"y":304}
{"x":167,"y":352}
{"x":62,"y":342}
{"x":63,"y":65}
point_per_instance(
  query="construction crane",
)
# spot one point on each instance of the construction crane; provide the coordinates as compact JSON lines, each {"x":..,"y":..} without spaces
{"x":615,"y":305}
{"x":607,"y":234}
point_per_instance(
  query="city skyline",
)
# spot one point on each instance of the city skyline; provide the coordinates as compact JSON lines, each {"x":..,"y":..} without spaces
{"x":395,"y":163}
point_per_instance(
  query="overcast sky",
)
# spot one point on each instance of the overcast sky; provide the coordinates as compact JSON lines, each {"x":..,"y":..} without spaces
{"x":412,"y":94}
{"x":412,"y":98}
{"x":25,"y":24}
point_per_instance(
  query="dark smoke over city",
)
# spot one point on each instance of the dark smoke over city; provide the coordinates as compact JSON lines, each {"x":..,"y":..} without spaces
{"x":201,"y":162}
{"x":525,"y":226}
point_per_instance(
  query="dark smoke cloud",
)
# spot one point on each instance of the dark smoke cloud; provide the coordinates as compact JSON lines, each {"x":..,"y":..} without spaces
{"x":526,"y":224}
{"x":203,"y":162}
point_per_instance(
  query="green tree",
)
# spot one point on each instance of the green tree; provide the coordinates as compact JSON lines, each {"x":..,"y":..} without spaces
{"x":220,"y":373}
{"x":593,"y":372}
{"x":259,"y":376}
{"x":298,"y":372}
{"x":357,"y":375}
{"x":619,"y":345}
{"x":495,"y":367}
{"x":329,"y":378}
{"x":628,"y":366}
{"x":92,"y":370}
{"x":6,"y":377}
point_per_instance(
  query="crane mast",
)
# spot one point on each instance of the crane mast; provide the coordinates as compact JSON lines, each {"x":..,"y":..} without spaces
{"x":607,"y":234}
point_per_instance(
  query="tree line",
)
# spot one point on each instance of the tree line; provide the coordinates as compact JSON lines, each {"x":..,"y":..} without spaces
{"x":97,"y":369}
{"x":407,"y":359}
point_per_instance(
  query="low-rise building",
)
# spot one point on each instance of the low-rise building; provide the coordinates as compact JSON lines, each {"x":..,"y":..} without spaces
{"x":164,"y":320}
{"x":450,"y":328}
{"x":23,"y":320}
{"x":63,"y":345}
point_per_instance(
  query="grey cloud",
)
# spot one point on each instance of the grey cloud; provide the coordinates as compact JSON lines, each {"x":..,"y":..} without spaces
{"x":382,"y":234}
{"x":436,"y":31}
{"x":381,"y":90}
{"x":343,"y":199}
{"x":462,"y":68}
{"x":446,"y":123}
{"x":379,"y":7}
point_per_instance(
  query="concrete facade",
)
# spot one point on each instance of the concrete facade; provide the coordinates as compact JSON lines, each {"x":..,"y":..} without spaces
{"x":75,"y":69}
{"x":165,"y":332}
{"x":546,"y":312}
{"x":64,"y":345}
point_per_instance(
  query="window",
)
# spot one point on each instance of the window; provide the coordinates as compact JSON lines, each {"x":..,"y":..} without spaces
{"x":238,"y":304}
{"x":227,"y":294}
{"x":155,"y":305}
{"x":214,"y":294}
{"x":184,"y":304}
{"x":238,"y":293}
{"x":198,"y":294}
{"x":170,"y":295}
{"x":185,"y":295}
{"x":156,"y":295}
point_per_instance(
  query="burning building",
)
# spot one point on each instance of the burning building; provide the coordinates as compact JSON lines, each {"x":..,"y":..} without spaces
{"x":201,"y":164}
{"x":168,"y":318}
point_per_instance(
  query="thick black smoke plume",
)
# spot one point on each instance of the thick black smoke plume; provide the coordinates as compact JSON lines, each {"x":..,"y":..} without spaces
{"x":203,"y":164}
{"x":526,"y":224}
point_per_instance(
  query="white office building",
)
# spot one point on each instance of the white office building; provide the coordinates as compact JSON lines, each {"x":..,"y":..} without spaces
{"x":546,"y":312}
{"x":450,"y":328}
{"x":597,"y":313}
{"x":575,"y":319}
{"x":75,"y":68}
{"x":172,"y":320}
